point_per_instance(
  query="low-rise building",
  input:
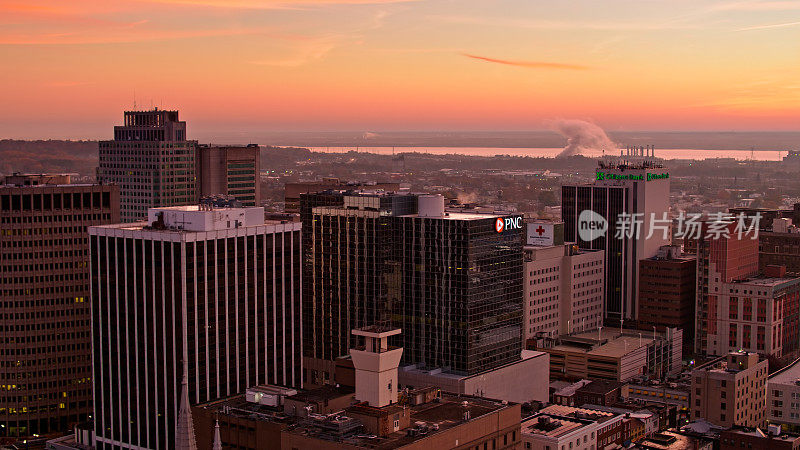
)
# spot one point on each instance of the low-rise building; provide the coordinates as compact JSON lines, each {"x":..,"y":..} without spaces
{"x":648,"y":420}
{"x":553,"y":432}
{"x":565,"y":395}
{"x":668,"y":440}
{"x":731,"y":391}
{"x":611,"y":354}
{"x":457,"y":422}
{"x":666,"y":393}
{"x":558,"y":427}
{"x":783,"y":396}
{"x":510,"y":381}
{"x":771,"y":438}
{"x":599,"y":392}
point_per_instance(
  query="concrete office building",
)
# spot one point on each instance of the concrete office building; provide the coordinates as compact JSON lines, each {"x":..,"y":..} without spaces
{"x":739,"y":309}
{"x":667,"y":290}
{"x":609,"y":354}
{"x":230,"y":170}
{"x":151,"y":161}
{"x":640,"y":188}
{"x":731,"y":390}
{"x":511,"y":381}
{"x":783,"y":396}
{"x":210,"y":294}
{"x":564,"y":290}
{"x":45,"y":340}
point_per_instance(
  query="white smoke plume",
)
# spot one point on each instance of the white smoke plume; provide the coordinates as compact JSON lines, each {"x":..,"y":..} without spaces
{"x":581,"y":135}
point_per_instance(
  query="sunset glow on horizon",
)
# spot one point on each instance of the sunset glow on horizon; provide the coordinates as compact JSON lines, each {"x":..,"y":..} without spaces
{"x":71,"y":68}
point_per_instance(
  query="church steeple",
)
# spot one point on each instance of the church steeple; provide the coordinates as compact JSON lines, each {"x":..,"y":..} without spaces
{"x":217,"y":440}
{"x":184,"y":432}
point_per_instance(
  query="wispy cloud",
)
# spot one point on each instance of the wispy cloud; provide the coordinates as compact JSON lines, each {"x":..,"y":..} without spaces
{"x":66,"y":84}
{"x":273,"y":4}
{"x":779,"y":5}
{"x":598,"y":25}
{"x":305,"y":52}
{"x":127,"y":34}
{"x":529,"y":64}
{"x":770,"y":26}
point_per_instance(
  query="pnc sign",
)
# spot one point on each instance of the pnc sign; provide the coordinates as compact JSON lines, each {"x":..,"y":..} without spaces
{"x":508,"y":223}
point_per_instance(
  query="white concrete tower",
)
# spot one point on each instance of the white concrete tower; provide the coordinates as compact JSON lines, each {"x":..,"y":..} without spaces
{"x":376,"y":366}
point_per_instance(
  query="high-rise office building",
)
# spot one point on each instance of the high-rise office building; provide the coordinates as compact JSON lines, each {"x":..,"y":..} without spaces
{"x":593,"y":218}
{"x":352,"y":275}
{"x":151,"y":161}
{"x":230,"y":170}
{"x":461,"y":306}
{"x":452,"y":281}
{"x":564,"y":285}
{"x":209,"y":293}
{"x":45,"y":343}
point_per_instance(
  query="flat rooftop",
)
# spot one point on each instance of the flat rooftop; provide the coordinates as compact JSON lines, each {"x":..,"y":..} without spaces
{"x":610,"y":343}
{"x":456,"y":215}
{"x":552,"y":425}
{"x":764,"y":282}
{"x":666,"y":440}
{"x":572,"y":388}
{"x":578,"y":413}
{"x":322,"y":394}
{"x":758,"y":432}
{"x":445,"y":415}
{"x":788,"y":375}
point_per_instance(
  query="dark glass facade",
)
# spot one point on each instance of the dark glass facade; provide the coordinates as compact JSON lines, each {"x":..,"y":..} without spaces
{"x":462,"y":293}
{"x":453,"y":284}
{"x":352,"y":275}
{"x":609,"y":202}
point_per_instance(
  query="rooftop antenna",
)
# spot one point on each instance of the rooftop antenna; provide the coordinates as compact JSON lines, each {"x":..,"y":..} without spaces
{"x":134,"y":99}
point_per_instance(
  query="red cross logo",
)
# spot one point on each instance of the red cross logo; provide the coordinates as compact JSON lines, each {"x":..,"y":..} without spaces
{"x":539,"y":230}
{"x":499,"y":225}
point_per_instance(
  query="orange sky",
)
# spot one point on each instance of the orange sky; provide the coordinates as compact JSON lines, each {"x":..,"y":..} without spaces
{"x":71,"y":67}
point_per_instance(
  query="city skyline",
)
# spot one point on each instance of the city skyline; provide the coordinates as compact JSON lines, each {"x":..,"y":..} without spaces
{"x":251,"y":65}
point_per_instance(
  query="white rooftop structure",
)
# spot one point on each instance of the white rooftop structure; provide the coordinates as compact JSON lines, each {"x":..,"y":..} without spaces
{"x":205,"y":218}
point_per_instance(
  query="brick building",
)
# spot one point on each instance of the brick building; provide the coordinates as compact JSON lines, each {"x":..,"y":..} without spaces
{"x":667,"y":290}
{"x":45,"y":343}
